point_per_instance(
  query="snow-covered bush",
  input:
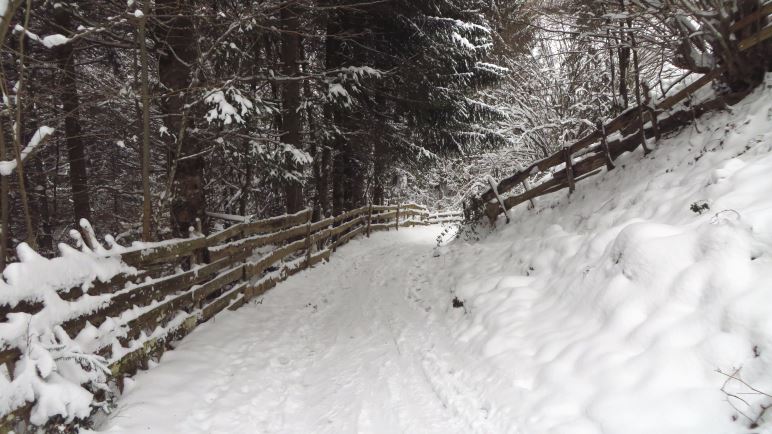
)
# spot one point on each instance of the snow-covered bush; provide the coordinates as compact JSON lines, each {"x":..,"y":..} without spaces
{"x":54,"y":371}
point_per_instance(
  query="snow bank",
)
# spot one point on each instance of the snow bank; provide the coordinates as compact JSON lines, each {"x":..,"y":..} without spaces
{"x":641,"y":304}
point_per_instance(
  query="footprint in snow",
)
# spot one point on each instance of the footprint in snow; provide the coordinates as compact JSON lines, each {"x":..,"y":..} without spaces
{"x":280,"y":361}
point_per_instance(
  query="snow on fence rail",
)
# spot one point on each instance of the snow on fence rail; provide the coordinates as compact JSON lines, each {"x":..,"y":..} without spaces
{"x":73,"y":327}
{"x":587,"y":156}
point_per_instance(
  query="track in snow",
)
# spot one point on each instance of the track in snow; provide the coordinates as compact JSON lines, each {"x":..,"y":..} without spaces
{"x":356,"y":345}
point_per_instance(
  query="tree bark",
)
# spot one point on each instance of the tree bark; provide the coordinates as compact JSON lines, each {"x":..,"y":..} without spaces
{"x":334,"y":151}
{"x":379,"y":192}
{"x":147,"y":211}
{"x":324,"y":182}
{"x":339,"y":184}
{"x":76,"y":150}
{"x":623,"y":51}
{"x":247,"y":185}
{"x":45,"y":237}
{"x":4,"y":208}
{"x":291,"y":94}
{"x":177,"y":38}
{"x":4,"y":180}
{"x":357,"y":179}
{"x":638,"y":97}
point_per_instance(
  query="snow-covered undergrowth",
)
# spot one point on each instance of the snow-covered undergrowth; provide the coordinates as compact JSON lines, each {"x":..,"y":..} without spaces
{"x":54,"y":369}
{"x":58,"y":373}
{"x":642,"y":303}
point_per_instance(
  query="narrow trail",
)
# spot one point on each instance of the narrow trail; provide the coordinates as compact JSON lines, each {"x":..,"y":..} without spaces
{"x":356,"y":345}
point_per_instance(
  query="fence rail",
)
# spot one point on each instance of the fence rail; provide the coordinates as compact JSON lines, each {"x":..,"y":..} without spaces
{"x":587,"y":156}
{"x":156,"y":302}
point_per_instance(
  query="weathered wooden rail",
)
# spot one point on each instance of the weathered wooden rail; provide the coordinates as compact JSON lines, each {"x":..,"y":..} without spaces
{"x":174,"y":286}
{"x":632,"y":128}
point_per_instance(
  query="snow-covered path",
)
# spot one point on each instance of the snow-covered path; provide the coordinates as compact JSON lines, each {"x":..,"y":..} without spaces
{"x":350,"y":346}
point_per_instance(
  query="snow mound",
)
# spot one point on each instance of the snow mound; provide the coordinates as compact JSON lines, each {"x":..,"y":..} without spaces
{"x":643,"y":302}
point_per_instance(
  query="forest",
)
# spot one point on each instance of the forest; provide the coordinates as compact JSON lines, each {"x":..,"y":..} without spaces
{"x":159,"y":119}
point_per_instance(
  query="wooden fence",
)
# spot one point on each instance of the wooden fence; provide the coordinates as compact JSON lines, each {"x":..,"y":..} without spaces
{"x":221,"y":271}
{"x":589,"y":155}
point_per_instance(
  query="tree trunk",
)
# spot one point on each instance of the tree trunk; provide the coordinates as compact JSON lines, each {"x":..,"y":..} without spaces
{"x":339,"y":184}
{"x":45,"y":237}
{"x":357,"y":179}
{"x":335,"y":149}
{"x":177,"y":36}
{"x":378,"y":194}
{"x":638,"y":97}
{"x":316,"y":154}
{"x":76,"y":150}
{"x":4,"y":208}
{"x":291,"y":93}
{"x":247,"y":185}
{"x":623,"y":51}
{"x":323,"y":185}
{"x":612,"y":73}
{"x":145,"y":163}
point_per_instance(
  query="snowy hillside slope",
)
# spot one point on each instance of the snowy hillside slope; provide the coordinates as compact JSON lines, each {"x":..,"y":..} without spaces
{"x":627,"y":307}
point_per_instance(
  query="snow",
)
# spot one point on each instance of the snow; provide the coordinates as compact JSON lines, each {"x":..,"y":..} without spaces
{"x":223,"y":110}
{"x":230,"y":217}
{"x":494,"y":186}
{"x":50,"y":41}
{"x":613,"y":309}
{"x":336,"y":91}
{"x":362,"y":71}
{"x":52,"y":367}
{"x":616,"y":310}
{"x":343,"y":347}
{"x":56,"y":394}
{"x":462,"y":41}
{"x":35,"y":277}
{"x":7,"y":167}
{"x":298,"y":155}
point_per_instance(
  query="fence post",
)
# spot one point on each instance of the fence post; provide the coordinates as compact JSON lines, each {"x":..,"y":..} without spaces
{"x":308,"y":244}
{"x":654,"y":123}
{"x":87,"y":234}
{"x":397,"y":220}
{"x":604,"y":145}
{"x":569,"y":169}
{"x":502,"y":205}
{"x":526,"y":185}
{"x":335,"y":237}
{"x":652,"y":111}
{"x":369,"y":219}
{"x":642,"y":131}
{"x":195,"y":256}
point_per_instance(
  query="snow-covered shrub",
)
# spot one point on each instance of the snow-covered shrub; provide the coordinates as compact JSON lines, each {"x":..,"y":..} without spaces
{"x":55,"y":371}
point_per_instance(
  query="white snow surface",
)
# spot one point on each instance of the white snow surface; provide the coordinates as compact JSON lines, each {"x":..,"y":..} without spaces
{"x":610,"y":311}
